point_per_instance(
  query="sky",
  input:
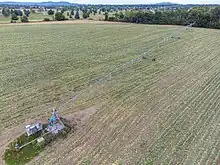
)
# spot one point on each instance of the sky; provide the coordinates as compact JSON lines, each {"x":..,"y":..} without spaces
{"x":126,"y":1}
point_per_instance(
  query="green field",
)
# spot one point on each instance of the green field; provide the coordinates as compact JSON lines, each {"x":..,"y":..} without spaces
{"x":153,"y":112}
{"x":32,"y":17}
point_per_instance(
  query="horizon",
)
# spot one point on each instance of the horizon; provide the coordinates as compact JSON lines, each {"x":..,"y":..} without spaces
{"x":118,"y":2}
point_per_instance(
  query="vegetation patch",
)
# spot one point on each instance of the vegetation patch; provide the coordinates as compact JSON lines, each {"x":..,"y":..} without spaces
{"x":14,"y":156}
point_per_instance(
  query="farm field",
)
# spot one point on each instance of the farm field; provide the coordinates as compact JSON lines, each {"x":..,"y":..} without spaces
{"x":165,"y":111}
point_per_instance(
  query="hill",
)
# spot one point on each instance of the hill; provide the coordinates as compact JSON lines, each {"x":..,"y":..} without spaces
{"x":49,"y":3}
{"x":166,"y":4}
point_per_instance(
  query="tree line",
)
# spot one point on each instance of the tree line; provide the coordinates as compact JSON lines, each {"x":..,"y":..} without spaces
{"x":15,"y":14}
{"x":206,"y":17}
{"x":73,"y":13}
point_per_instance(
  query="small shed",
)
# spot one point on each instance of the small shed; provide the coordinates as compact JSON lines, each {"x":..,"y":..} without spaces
{"x":34,"y":128}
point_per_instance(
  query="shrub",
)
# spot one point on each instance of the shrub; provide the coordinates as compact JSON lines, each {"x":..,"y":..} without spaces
{"x":24,"y":19}
{"x":85,"y":15}
{"x":27,"y":12}
{"x":106,"y":16}
{"x":72,"y":12}
{"x":14,"y":17}
{"x":46,"y":19}
{"x":59,"y":16}
{"x":5,"y":12}
{"x":77,"y":15}
{"x":50,"y":12}
{"x":111,"y":19}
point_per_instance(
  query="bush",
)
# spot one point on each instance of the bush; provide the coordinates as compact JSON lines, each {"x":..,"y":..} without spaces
{"x":85,"y":15}
{"x":14,"y":17}
{"x":77,"y":15}
{"x":72,"y":12}
{"x":5,"y":12}
{"x":90,"y":19}
{"x":50,"y":12}
{"x":24,"y":19}
{"x":46,"y":19}
{"x":59,"y":16}
{"x":27,"y":12}
{"x":106,"y":16}
{"x":111,"y":19}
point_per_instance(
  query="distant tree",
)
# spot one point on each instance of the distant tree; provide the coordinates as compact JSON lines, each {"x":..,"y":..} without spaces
{"x":50,"y":12}
{"x":6,"y":12}
{"x":72,"y":12}
{"x":68,"y":14}
{"x":15,"y":12}
{"x":24,"y":19}
{"x":19,"y":13}
{"x":77,"y":15}
{"x":85,"y":15}
{"x":46,"y":19}
{"x":119,"y":16}
{"x":100,"y":12}
{"x":216,"y":13}
{"x":106,"y":16}
{"x":59,"y":16}
{"x":27,"y":12}
{"x":62,"y":11}
{"x":103,"y":9}
{"x":14,"y":17}
{"x":95,"y":11}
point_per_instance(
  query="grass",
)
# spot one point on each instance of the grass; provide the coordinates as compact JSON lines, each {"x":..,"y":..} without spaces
{"x":32,"y":18}
{"x":27,"y":153}
{"x":13,"y":157}
{"x":39,"y":17}
{"x":162,"y":111}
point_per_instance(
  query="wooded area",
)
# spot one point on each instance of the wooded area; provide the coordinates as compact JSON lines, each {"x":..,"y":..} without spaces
{"x":206,"y":17}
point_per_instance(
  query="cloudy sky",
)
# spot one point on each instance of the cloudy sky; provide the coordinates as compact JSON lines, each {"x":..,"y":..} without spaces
{"x":128,"y":1}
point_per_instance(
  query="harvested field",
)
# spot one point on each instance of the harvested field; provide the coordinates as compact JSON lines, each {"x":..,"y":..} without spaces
{"x":165,"y":111}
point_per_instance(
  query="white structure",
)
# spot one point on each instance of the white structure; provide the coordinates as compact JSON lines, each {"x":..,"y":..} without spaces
{"x":32,"y":129}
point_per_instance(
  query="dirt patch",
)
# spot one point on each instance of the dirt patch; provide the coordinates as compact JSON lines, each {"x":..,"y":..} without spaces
{"x":79,"y":118}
